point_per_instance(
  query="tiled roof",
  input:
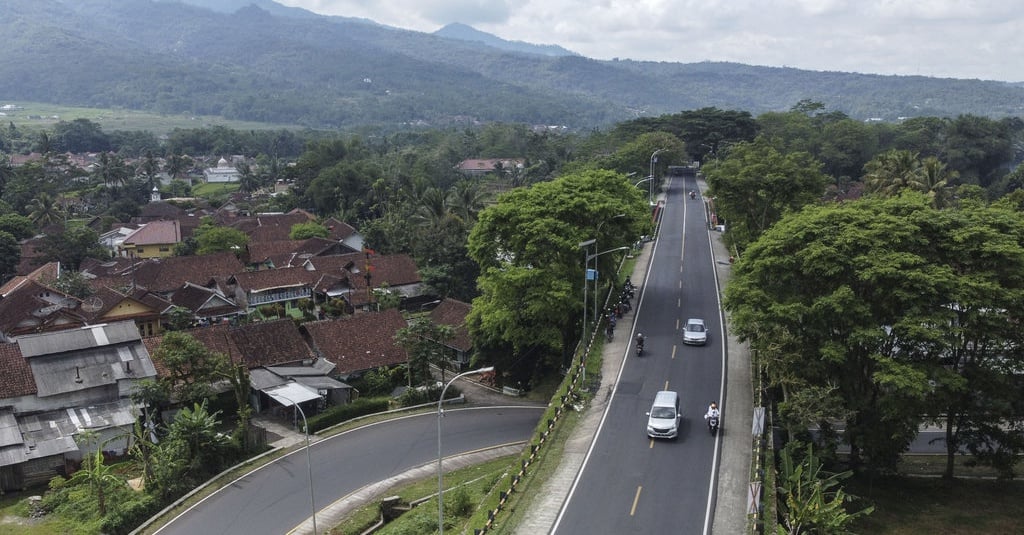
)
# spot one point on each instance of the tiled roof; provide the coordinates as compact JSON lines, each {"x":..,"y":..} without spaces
{"x":453,"y":312}
{"x":256,"y":281}
{"x":339,"y":229}
{"x":159,"y":210}
{"x":22,"y":309}
{"x":16,"y":379}
{"x":270,"y":342}
{"x":194,"y":297}
{"x":164,"y":275}
{"x":155,"y":232}
{"x":360,"y":342}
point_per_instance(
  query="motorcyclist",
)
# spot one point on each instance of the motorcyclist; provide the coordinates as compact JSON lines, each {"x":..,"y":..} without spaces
{"x":640,"y":341}
{"x":693,"y":194}
{"x":713,"y":412}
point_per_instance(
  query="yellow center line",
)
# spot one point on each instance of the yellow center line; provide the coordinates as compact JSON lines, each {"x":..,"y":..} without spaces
{"x":636,"y":499}
{"x":652,"y":445}
{"x":666,"y":386}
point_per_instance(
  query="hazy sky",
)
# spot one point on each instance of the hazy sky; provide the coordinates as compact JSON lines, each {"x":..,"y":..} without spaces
{"x":943,"y":38}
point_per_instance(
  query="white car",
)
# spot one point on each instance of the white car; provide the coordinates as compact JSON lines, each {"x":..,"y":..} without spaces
{"x":695,"y":332}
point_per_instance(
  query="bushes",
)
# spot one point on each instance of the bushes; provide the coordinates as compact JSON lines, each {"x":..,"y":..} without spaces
{"x":419,"y":396}
{"x":341,"y":413}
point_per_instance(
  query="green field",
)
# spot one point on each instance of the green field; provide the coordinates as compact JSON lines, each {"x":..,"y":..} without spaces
{"x":35,"y":115}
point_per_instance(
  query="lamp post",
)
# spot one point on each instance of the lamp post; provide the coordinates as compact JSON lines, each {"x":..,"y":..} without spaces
{"x":440,"y":472}
{"x":650,"y":187}
{"x":593,"y":257}
{"x":309,"y":464}
{"x":585,"y":245}
{"x":598,"y":233}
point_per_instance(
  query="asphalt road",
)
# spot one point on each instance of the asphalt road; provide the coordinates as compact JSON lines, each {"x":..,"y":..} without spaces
{"x":630,"y":483}
{"x":275,"y":498}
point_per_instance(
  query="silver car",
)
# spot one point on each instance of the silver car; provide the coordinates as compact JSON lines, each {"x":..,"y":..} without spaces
{"x":695,"y":332}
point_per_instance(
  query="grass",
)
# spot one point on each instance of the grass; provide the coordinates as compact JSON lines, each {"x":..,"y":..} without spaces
{"x":909,"y":505}
{"x":476,"y":481}
{"x":122,"y":119}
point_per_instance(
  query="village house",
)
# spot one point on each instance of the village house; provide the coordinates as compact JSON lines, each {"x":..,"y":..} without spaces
{"x":58,"y":385}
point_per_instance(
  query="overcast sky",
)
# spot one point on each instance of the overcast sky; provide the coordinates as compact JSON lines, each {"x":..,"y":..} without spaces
{"x":942,"y":38}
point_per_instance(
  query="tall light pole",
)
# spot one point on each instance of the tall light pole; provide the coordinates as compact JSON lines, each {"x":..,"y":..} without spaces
{"x":650,"y":187}
{"x":594,"y":256}
{"x":585,"y":245}
{"x":595,"y":275}
{"x":440,"y":472}
{"x":309,"y":464}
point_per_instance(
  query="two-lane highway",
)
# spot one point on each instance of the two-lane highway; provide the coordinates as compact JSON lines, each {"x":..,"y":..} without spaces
{"x":275,"y":498}
{"x":630,"y":483}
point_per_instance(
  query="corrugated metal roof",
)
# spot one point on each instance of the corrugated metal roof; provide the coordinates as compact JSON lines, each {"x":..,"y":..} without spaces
{"x":10,"y":435}
{"x":291,"y":393}
{"x":321,"y":382}
{"x":261,"y":378}
{"x":73,"y":339}
{"x":90,"y":368}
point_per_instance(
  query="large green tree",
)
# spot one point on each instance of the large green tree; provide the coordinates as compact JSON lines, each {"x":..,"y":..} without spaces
{"x":756,"y":184}
{"x":873,"y":303}
{"x":528,"y":248}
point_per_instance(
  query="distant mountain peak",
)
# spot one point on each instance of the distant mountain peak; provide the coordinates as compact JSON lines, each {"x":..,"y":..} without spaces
{"x":464,"y":32}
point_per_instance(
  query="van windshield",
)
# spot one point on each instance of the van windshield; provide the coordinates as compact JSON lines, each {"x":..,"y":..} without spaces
{"x":663,"y":413}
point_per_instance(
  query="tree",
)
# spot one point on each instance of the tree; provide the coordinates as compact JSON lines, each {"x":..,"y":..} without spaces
{"x":903,"y":311}
{"x":43,"y":210}
{"x":304,"y":231}
{"x":424,"y":342}
{"x":527,"y":247}
{"x":755,"y":185}
{"x":213,"y":239}
{"x":192,"y":369}
{"x":10,"y":256}
{"x":72,"y":246}
{"x":18,"y":226}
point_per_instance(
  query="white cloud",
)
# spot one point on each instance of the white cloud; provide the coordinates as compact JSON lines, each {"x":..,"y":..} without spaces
{"x":946,"y":38}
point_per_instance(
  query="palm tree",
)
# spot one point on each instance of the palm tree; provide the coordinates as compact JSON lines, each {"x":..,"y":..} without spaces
{"x":43,"y":210}
{"x":892,"y":171}
{"x":466,"y":200}
{"x":935,"y":181}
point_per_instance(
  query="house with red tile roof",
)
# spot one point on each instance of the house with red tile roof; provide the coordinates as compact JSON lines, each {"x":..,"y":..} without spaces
{"x":155,"y":239}
{"x":166,"y":275}
{"x":29,"y":305}
{"x":453,"y":312}
{"x":207,"y":304}
{"x":360,"y":343}
{"x":364,"y":272}
{"x":284,"y":286}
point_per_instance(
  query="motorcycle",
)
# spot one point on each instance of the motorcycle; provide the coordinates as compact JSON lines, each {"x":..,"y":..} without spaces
{"x":693,"y":195}
{"x":639,"y":349}
{"x":713,"y":424}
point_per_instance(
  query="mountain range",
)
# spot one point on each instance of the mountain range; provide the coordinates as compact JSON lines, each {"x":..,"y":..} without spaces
{"x":258,"y":60}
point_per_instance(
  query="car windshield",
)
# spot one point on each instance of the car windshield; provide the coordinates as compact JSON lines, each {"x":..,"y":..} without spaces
{"x":663,"y":413}
{"x":695,"y":328}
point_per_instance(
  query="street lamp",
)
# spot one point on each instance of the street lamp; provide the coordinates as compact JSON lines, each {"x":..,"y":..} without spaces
{"x":585,"y":245}
{"x":309,"y":464}
{"x":598,"y":234}
{"x":650,"y":187}
{"x":440,"y":473}
{"x":594,"y":256}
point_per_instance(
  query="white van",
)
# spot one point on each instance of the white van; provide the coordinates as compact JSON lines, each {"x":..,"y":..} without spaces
{"x":663,"y":420}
